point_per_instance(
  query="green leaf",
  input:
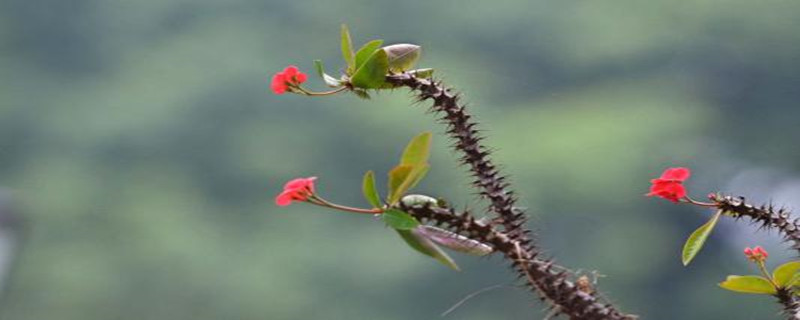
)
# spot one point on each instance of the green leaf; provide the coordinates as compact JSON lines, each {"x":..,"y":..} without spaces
{"x":427,"y":247}
{"x":330,"y":81}
{"x":399,"y":220}
{"x":370,"y":191}
{"x":784,"y":274}
{"x":372,"y":74}
{"x":402,"y":56}
{"x":403,"y":178}
{"x":366,"y":50}
{"x":418,"y":150}
{"x":397,"y":176}
{"x":455,"y":241}
{"x":422,"y":73}
{"x":748,"y":284}
{"x":696,"y":240}
{"x":347,"y":49}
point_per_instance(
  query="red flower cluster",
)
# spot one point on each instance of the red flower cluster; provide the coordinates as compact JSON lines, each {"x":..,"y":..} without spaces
{"x":757,"y":254}
{"x":670,"y":185}
{"x":289,"y":77}
{"x":296,"y":190}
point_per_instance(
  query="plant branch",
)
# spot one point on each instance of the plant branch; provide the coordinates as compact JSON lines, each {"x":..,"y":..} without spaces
{"x":766,"y":215}
{"x":551,"y":281}
{"x":790,"y":303}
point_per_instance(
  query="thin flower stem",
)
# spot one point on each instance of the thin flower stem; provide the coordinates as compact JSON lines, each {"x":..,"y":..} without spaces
{"x":322,"y":202}
{"x":699,"y":203}
{"x":766,"y":274}
{"x":324,"y":93}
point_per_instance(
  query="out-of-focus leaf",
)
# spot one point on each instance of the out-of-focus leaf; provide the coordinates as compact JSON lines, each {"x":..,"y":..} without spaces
{"x":422,"y":73}
{"x":784,"y":274}
{"x":696,"y":240}
{"x":402,"y":56}
{"x":427,"y":247}
{"x":347,"y":49}
{"x":330,"y":81}
{"x":370,"y":191}
{"x":365,"y":51}
{"x":748,"y":284}
{"x":372,"y":74}
{"x":455,"y":241}
{"x":399,"y":220}
{"x":417,"y":150}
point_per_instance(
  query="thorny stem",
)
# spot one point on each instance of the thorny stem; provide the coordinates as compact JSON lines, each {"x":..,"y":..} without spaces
{"x":766,"y":215}
{"x":551,"y":281}
{"x":790,"y":303}
{"x":542,"y":275}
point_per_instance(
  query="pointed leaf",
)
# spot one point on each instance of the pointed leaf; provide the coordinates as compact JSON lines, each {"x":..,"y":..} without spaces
{"x":455,"y":241}
{"x":418,"y":150}
{"x":330,"y":81}
{"x":407,"y":180}
{"x":397,"y":176}
{"x":784,"y":274}
{"x":696,"y":240}
{"x":748,"y":284}
{"x":399,"y":220}
{"x":402,"y":56}
{"x":347,"y":49}
{"x":370,"y":191}
{"x":427,"y":247}
{"x":372,"y":74}
{"x":365,"y":51}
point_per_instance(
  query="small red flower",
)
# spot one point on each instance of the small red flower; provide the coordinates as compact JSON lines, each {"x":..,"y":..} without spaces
{"x":289,"y":77}
{"x":670,"y":185}
{"x":296,"y":190}
{"x":757,"y":254}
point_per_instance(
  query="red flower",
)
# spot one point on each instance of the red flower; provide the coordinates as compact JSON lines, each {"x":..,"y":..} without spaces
{"x":670,"y":185}
{"x":296,"y":190}
{"x":289,"y":77}
{"x":757,"y":254}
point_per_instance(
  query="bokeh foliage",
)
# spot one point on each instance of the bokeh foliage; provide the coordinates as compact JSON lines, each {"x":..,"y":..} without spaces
{"x":142,"y":146}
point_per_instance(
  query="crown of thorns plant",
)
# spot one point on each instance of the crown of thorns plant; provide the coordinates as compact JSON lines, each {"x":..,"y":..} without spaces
{"x":428,"y":224}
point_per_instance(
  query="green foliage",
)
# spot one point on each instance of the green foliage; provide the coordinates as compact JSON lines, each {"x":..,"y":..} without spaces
{"x":412,"y":168}
{"x":399,"y":220}
{"x":370,"y":190}
{"x":347,"y":49}
{"x":366,"y":51}
{"x":329,"y":80}
{"x":427,"y":247}
{"x":748,"y":284}
{"x":696,"y":240}
{"x":786,"y":275}
{"x":372,"y":74}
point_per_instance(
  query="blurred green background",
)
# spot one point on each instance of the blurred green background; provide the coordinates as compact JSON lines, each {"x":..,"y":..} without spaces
{"x":143,"y":150}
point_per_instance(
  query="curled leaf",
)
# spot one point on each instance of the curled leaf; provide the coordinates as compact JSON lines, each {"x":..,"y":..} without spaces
{"x":402,"y":56}
{"x":455,"y":241}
